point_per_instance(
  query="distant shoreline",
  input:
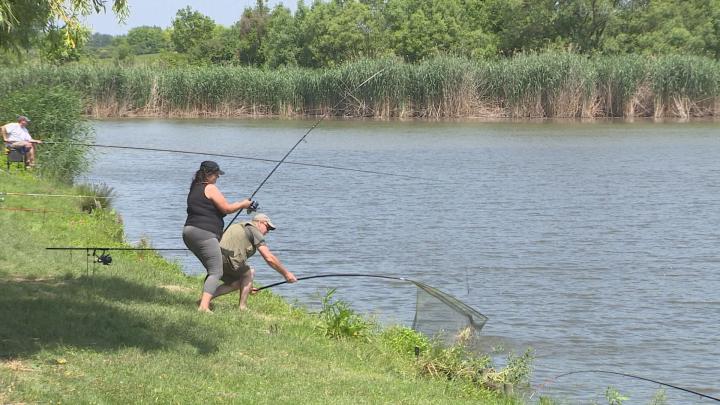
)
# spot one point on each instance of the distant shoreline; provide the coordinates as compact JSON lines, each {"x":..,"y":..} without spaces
{"x":540,"y":86}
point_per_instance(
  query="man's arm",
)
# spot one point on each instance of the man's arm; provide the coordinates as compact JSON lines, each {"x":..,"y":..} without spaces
{"x":274,"y":262}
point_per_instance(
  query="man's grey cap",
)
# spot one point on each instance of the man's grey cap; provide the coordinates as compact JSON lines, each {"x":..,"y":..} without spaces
{"x":264,"y":218}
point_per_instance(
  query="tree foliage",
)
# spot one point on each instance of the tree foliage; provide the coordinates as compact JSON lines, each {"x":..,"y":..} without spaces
{"x":281,"y":46}
{"x":326,"y":33}
{"x":144,"y":40}
{"x":190,"y":28}
{"x":21,"y":21}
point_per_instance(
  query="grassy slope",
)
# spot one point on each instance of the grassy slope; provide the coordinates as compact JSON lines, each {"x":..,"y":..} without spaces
{"x":129,"y":332}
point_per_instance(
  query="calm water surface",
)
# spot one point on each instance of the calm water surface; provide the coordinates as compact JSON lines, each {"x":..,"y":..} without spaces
{"x":595,"y":244}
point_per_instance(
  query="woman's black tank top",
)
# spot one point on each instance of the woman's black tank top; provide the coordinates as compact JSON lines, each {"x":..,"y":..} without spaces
{"x":202,"y":212}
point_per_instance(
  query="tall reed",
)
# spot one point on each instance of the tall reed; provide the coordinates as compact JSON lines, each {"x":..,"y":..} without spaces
{"x":553,"y":84}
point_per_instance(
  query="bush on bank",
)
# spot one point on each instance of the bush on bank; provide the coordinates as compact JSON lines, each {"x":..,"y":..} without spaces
{"x":552,"y":84}
{"x":56,"y":113}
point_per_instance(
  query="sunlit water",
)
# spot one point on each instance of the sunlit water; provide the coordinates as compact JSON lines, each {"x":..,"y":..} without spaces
{"x":593,"y":243}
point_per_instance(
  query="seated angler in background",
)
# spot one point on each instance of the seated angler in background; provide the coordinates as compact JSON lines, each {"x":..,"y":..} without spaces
{"x":16,"y":135}
{"x":239,"y":242}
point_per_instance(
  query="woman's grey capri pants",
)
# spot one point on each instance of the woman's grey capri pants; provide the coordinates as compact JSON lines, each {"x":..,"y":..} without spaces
{"x":206,"y":247}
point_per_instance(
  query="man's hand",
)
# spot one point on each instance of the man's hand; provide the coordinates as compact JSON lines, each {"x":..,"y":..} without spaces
{"x":253,"y":207}
{"x":290,"y":278}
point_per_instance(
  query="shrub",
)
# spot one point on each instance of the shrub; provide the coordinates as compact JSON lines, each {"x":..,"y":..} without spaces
{"x":454,"y":362}
{"x":98,"y":196}
{"x":339,"y":321}
{"x":404,"y":340}
{"x":56,"y":114}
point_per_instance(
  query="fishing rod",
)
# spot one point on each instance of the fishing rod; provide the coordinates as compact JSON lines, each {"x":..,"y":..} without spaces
{"x":109,"y":248}
{"x":302,"y":139}
{"x":637,"y":378}
{"x":95,"y":145}
{"x":152,"y":248}
{"x":335,"y":275}
{"x":102,"y":256}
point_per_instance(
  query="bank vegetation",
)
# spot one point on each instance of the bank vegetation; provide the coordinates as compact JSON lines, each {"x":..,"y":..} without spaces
{"x":546,"y":85}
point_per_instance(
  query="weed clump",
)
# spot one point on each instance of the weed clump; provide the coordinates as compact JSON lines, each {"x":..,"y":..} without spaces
{"x":97,"y":196}
{"x":339,"y":321}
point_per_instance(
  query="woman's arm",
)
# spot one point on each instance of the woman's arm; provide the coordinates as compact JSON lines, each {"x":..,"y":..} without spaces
{"x":214,"y":194}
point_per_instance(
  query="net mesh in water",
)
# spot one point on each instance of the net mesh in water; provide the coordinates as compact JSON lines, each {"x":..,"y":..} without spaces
{"x":438,"y":315}
{"x":441,"y":316}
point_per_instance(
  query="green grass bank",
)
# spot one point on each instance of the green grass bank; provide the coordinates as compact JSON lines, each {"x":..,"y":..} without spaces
{"x":130,"y":332}
{"x":562,"y":85}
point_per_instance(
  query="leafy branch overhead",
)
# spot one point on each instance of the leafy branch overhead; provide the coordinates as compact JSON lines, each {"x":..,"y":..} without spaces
{"x":22,"y":21}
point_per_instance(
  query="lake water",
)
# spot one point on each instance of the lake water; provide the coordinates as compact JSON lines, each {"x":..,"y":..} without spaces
{"x":593,"y":243}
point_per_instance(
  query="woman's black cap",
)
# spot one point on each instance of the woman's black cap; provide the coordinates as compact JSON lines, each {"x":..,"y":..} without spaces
{"x":210,"y":166}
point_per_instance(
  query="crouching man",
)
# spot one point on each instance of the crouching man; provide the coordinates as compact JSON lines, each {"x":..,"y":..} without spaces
{"x":238,"y":244}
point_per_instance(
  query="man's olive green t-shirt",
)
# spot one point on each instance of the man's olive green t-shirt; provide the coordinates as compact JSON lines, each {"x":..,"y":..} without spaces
{"x":240,"y":242}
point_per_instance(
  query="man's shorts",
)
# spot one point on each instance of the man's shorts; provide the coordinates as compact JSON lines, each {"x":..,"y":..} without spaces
{"x":232,"y":274}
{"x":20,"y":146}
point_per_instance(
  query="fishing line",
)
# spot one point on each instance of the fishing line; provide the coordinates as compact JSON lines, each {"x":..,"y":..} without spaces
{"x":637,"y":378}
{"x":300,"y":141}
{"x":242,"y":158}
{"x":50,"y":195}
{"x":43,"y":211}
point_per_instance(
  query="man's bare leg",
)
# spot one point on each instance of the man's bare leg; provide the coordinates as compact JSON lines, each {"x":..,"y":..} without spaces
{"x":245,"y":288}
{"x":31,"y":154}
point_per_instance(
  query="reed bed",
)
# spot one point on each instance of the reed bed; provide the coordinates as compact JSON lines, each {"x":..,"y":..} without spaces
{"x":552,"y":85}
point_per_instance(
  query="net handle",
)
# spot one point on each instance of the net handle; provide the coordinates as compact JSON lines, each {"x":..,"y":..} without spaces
{"x":335,"y":275}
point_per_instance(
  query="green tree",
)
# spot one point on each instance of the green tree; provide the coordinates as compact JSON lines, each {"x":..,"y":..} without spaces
{"x":22,"y":20}
{"x":281,"y":46}
{"x":420,"y":29}
{"x":122,"y":51}
{"x":98,"y":40}
{"x":52,"y":48}
{"x":339,"y":31}
{"x":665,"y":26}
{"x":144,"y":40}
{"x":218,"y":49}
{"x":190,"y":28}
{"x":523,"y":25}
{"x":582,"y":23}
{"x":251,"y":30}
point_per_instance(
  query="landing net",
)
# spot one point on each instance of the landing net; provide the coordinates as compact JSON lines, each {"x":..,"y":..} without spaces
{"x":444,"y":317}
{"x":438,"y":315}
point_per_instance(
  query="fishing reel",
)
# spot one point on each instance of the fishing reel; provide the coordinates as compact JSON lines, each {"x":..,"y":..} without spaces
{"x":103,"y":257}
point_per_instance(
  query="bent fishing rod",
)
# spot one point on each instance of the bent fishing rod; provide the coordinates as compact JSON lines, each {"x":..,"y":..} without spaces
{"x":637,"y":378}
{"x":301,"y":140}
{"x":335,"y":275}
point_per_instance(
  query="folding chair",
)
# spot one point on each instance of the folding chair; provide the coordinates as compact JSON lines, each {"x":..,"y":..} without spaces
{"x":15,"y":155}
